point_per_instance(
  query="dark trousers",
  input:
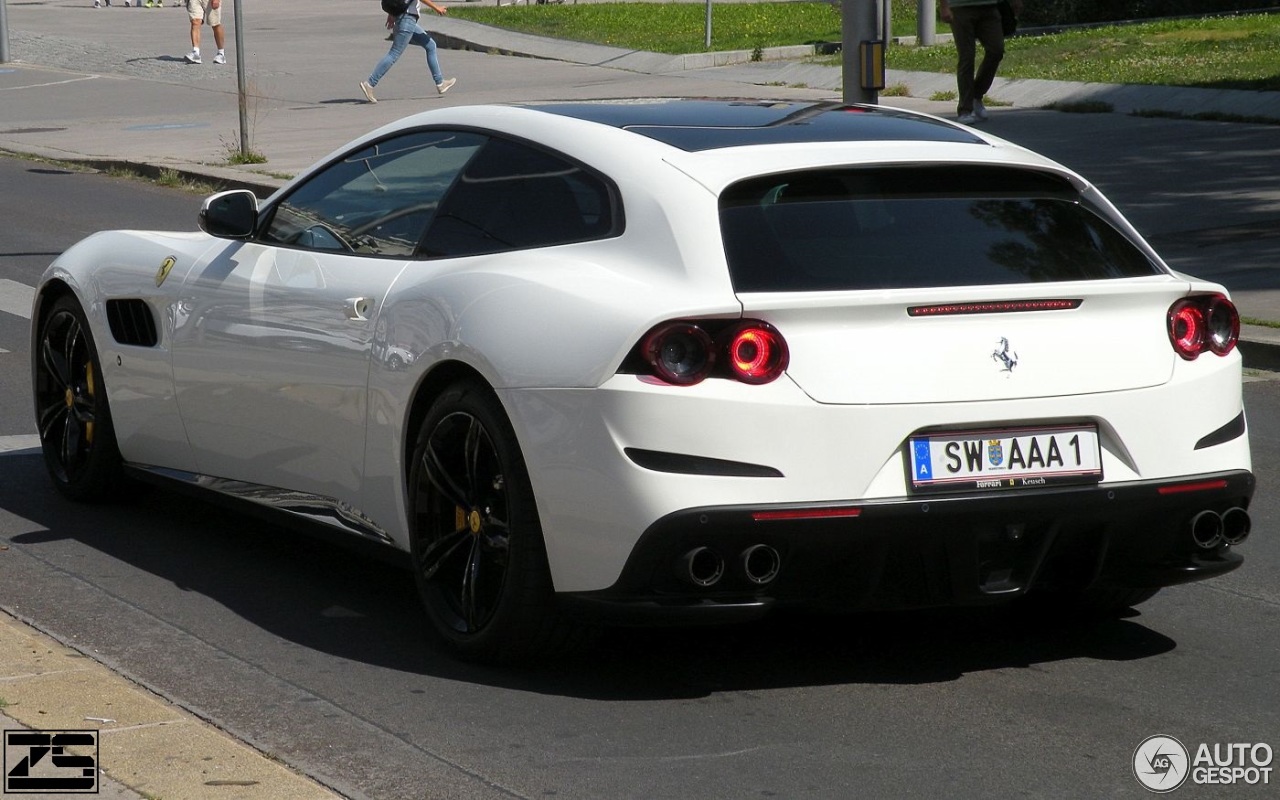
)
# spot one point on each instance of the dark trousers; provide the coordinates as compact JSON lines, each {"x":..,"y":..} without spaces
{"x":970,"y":25}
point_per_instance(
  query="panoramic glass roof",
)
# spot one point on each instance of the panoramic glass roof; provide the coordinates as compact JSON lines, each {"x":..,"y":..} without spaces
{"x":709,"y":124}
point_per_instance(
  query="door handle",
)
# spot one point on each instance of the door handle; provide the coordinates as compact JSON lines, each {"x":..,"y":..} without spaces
{"x":357,"y":308}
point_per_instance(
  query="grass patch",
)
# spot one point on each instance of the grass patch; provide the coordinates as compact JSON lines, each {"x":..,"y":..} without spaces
{"x":166,"y":177}
{"x":237,"y":155}
{"x":250,"y":156}
{"x":674,"y":28}
{"x":280,"y":176}
{"x":1232,"y":52}
{"x":1265,"y":323}
{"x":1215,"y":52}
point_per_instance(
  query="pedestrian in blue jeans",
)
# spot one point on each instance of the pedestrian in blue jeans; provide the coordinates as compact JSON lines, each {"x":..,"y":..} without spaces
{"x":406,"y":31}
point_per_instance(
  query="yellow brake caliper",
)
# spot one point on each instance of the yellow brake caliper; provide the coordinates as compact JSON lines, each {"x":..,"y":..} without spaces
{"x":469,"y":521}
{"x":88,"y":381}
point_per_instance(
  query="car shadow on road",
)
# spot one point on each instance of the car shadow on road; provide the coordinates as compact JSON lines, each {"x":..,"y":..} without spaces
{"x":365,"y":610}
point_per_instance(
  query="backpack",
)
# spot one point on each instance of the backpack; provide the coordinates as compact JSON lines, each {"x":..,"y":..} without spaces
{"x":396,"y":7}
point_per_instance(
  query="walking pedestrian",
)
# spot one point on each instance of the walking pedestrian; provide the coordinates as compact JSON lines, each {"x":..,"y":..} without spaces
{"x":200,"y":12}
{"x":973,"y":22}
{"x":405,"y":31}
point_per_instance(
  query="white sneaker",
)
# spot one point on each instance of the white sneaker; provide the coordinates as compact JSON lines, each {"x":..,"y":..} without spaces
{"x":220,"y":58}
{"x":980,"y":111}
{"x":445,"y":85}
{"x":967,"y":119}
{"x":368,"y":91}
{"x":193,"y":57}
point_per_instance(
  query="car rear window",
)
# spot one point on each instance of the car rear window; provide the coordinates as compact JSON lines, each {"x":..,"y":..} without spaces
{"x":906,"y":227}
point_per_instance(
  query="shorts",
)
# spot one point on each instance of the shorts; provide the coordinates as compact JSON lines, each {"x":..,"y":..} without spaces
{"x":199,"y":10}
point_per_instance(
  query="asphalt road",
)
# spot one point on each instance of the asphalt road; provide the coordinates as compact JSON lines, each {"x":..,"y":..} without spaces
{"x":322,"y":658}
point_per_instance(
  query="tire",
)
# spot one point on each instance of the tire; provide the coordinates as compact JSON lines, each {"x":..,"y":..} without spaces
{"x":478,"y":553}
{"x":73,"y":417}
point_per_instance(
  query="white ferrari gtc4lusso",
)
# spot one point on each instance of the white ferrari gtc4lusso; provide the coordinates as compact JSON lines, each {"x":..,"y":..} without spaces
{"x":681,"y":361}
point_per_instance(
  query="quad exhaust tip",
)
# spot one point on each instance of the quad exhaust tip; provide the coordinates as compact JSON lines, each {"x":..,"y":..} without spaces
{"x":703,"y":567}
{"x":1210,"y":529}
{"x":760,"y":563}
{"x":1236,"y":525}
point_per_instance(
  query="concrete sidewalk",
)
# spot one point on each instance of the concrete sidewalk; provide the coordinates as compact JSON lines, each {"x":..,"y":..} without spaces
{"x":147,"y":746}
{"x":110,"y":85}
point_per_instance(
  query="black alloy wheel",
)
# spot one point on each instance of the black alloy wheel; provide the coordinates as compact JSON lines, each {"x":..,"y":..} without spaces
{"x":72,"y":415}
{"x":477,"y":546}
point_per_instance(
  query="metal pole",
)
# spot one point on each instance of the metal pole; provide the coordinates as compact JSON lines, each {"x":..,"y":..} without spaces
{"x":240,"y":80}
{"x":4,"y":31}
{"x":708,"y":42}
{"x":859,"y":22}
{"x":926,"y":23}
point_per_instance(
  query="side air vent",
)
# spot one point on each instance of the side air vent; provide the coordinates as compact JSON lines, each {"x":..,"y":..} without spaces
{"x":132,"y":323}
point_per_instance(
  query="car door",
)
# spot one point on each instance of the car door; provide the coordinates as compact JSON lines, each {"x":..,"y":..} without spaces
{"x":272,"y":353}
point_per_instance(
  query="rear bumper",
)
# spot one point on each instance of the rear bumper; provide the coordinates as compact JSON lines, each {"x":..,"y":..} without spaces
{"x":919,"y":553}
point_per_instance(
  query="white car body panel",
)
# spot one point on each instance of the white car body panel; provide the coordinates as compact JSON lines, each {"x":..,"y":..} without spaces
{"x":827,"y":453}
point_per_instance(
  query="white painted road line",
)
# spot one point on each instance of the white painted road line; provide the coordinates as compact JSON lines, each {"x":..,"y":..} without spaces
{"x":26,"y":441}
{"x":16,"y":298}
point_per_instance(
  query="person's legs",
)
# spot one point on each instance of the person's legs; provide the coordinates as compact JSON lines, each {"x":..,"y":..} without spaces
{"x":213,"y":16}
{"x":989,"y":31}
{"x":423,"y":39}
{"x":963,"y":32}
{"x":405,"y":27}
{"x":195,"y":12}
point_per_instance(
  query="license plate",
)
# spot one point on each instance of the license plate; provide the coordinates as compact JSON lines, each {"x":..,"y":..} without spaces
{"x":1005,"y":458}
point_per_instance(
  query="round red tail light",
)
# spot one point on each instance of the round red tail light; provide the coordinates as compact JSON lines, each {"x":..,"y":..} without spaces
{"x":679,"y":353}
{"x":757,"y":353}
{"x":1187,"y":328}
{"x":1223,"y":325}
{"x":1204,"y":322}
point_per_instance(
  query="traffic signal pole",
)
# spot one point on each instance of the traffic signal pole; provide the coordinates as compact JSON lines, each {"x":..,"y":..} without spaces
{"x":864,"y":40}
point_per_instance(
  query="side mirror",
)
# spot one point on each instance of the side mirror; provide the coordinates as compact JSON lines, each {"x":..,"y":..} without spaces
{"x":230,"y":215}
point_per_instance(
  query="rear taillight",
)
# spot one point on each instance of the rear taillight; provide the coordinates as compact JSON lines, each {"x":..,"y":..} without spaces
{"x":1204,"y":322}
{"x":757,"y":353}
{"x":679,"y":353}
{"x":684,"y":353}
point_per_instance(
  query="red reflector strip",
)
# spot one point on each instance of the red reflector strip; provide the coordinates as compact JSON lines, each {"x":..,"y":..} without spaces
{"x":805,"y":513}
{"x":1202,"y":486}
{"x":992,"y":307}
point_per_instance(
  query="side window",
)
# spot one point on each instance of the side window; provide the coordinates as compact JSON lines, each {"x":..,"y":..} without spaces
{"x":376,"y":201}
{"x":513,"y":196}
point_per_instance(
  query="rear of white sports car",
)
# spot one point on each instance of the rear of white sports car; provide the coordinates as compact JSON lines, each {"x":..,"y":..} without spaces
{"x":957,"y":376}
